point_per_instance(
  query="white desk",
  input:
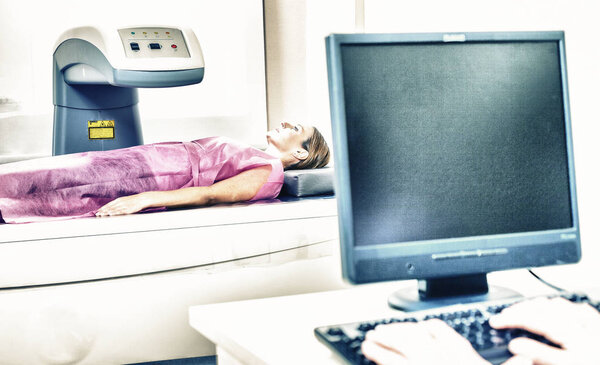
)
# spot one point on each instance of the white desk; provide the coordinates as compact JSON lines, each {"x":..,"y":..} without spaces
{"x":280,"y":330}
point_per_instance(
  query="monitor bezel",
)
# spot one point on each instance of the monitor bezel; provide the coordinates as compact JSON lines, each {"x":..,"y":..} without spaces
{"x":466,"y":255}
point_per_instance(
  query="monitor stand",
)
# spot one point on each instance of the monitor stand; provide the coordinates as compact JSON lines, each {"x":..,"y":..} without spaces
{"x":442,"y":292}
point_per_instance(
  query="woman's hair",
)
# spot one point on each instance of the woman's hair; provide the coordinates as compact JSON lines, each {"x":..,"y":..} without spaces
{"x":318,"y":152}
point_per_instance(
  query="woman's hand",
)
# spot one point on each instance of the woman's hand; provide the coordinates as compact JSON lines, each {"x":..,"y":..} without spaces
{"x":574,"y":327}
{"x":125,"y":205}
{"x":428,"y":342}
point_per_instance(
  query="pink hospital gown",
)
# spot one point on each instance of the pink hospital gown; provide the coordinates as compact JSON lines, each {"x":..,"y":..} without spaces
{"x":77,"y":185}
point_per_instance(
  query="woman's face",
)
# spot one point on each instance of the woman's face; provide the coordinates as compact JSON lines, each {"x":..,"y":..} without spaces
{"x":289,"y":137}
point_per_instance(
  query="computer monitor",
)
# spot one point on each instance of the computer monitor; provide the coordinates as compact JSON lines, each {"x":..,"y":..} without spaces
{"x":453,"y":158}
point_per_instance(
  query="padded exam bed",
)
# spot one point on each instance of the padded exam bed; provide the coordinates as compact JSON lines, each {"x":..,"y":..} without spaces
{"x":123,"y":284}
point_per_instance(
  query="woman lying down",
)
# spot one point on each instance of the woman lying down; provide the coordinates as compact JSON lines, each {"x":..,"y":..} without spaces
{"x":173,"y":174}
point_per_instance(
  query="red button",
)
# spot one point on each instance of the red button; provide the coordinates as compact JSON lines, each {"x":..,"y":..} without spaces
{"x":173,"y":46}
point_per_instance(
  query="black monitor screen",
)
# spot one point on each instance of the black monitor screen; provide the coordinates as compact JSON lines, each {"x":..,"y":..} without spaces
{"x":460,"y":140}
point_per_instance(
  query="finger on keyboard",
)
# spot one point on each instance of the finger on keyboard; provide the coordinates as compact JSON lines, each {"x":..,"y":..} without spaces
{"x":540,"y":353}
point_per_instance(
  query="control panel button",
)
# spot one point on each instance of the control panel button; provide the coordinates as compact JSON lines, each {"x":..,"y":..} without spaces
{"x":152,"y":42}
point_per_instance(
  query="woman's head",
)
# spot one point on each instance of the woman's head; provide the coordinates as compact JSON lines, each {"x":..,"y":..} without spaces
{"x":299,"y":146}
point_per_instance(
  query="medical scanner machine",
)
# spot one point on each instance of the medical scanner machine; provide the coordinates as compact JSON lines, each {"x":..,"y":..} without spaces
{"x":96,"y":75}
{"x":117,"y":289}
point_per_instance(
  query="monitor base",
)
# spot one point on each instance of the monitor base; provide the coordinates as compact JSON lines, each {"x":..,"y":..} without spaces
{"x":430,"y":295}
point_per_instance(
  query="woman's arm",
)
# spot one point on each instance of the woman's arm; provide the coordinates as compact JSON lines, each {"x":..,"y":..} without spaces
{"x":242,"y":187}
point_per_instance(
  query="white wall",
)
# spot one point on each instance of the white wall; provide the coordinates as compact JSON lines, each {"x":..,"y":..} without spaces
{"x":230,"y":101}
{"x":296,"y":65}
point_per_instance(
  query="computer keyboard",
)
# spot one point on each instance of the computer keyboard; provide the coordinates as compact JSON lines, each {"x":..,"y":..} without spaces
{"x":471,"y":321}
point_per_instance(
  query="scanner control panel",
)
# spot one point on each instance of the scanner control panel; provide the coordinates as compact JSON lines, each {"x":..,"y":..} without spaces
{"x":153,"y":42}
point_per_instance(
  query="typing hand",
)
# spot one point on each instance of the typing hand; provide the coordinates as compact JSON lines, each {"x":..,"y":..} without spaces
{"x":575,"y":327}
{"x":428,"y":342}
{"x":124,"y":205}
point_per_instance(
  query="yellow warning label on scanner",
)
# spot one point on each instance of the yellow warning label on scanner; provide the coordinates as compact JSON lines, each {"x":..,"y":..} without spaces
{"x":101,"y":129}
